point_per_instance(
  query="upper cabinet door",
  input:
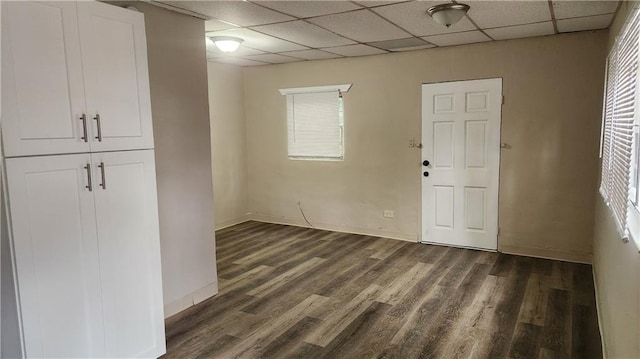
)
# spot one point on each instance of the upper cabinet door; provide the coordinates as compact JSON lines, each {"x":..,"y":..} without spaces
{"x":114,"y":55}
{"x":129,"y":246}
{"x":42,"y":81}
{"x":56,"y":255}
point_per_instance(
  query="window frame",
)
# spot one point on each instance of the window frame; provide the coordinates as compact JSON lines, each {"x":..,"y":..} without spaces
{"x":340,"y":89}
{"x":631,"y":223}
{"x":633,"y":212}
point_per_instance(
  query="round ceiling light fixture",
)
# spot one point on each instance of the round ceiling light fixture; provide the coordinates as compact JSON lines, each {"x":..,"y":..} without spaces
{"x":226,"y":43}
{"x":448,"y":14}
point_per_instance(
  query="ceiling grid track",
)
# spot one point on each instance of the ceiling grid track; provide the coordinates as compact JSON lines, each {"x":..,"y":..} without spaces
{"x":554,"y":21}
{"x":401,"y":28}
{"x":615,"y":14}
{"x":478,"y":27}
{"x":323,"y":49}
{"x":305,"y":19}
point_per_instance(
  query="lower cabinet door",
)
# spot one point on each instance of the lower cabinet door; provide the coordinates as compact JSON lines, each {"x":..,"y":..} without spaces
{"x":56,"y":256}
{"x":129,"y":249}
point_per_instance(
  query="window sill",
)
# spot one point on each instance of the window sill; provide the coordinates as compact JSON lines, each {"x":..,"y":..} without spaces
{"x":320,"y":159}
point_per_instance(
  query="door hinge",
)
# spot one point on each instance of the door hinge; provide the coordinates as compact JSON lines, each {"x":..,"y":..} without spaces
{"x":498,"y":232}
{"x":503,"y":99}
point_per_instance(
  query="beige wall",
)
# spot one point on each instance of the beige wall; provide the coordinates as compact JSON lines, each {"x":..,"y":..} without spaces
{"x":179,"y":102}
{"x":228,"y":144}
{"x":616,"y":271}
{"x":551,"y":120}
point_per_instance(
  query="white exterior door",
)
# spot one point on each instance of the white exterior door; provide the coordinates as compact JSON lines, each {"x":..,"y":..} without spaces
{"x":42,"y":81}
{"x":114,"y":58}
{"x":461,"y":139}
{"x":129,"y":247}
{"x":56,"y":256}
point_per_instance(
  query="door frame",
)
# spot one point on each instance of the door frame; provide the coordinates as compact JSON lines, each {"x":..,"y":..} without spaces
{"x":499,"y":164}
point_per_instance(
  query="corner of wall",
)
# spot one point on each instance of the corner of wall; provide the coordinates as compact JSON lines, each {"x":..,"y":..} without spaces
{"x":10,"y":332}
{"x":190,"y":300}
{"x":181,"y":130}
{"x":229,"y":143}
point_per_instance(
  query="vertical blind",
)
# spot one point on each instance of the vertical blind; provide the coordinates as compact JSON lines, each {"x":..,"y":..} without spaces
{"x":314,"y":125}
{"x":619,"y":116}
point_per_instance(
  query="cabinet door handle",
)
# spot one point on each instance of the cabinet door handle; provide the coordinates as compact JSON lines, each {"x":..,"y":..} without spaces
{"x":89,"y":185}
{"x":97,"y":118}
{"x":104,"y":183}
{"x":83,"y":118}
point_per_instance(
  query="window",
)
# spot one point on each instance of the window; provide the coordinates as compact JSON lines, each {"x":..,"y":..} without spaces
{"x":315,"y":122}
{"x":620,"y":157}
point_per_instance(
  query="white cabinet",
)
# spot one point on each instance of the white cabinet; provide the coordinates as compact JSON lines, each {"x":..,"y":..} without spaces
{"x":56,"y":250}
{"x":87,"y":251}
{"x":42,"y":80}
{"x":114,"y":58}
{"x":84,"y":218}
{"x":75,"y":78}
{"x":129,"y":247}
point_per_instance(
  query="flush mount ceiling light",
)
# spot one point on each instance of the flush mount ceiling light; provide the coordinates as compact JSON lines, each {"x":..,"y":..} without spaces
{"x":448,"y":14}
{"x":226,"y":43}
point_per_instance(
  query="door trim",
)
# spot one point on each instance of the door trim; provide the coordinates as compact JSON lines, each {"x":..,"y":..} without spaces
{"x":497,"y":171}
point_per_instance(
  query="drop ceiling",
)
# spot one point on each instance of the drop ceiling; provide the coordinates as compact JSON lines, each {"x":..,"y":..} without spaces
{"x":277,"y":32}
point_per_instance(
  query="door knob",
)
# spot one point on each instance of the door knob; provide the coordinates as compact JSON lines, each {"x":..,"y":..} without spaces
{"x":425,"y":173}
{"x":425,"y":163}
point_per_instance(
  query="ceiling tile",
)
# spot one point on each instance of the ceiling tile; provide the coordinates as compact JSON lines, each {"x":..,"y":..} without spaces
{"x":585,"y":23}
{"x":568,"y":9}
{"x":241,"y":13}
{"x":413,"y":17}
{"x":212,"y":51}
{"x":489,"y":14}
{"x":518,"y":31}
{"x":236,"y":61}
{"x":372,"y":3}
{"x":256,"y":40}
{"x":355,"y":50}
{"x":400,"y":45}
{"x":457,"y":38}
{"x":307,"y":8}
{"x":216,"y":25}
{"x":361,"y":25}
{"x":272,"y":58}
{"x":304,"y":33}
{"x":312,"y":54}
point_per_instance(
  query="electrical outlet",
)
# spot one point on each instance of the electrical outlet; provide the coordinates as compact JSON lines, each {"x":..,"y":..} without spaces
{"x":387,"y":213}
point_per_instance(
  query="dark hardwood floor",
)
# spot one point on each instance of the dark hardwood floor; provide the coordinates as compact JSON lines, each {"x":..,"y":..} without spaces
{"x":290,"y":292}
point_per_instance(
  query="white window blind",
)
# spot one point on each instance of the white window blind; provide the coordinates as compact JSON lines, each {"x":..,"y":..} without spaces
{"x":315,"y":123}
{"x":619,"y":118}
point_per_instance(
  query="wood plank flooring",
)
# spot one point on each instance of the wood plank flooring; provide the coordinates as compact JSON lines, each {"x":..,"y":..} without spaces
{"x":290,"y":292}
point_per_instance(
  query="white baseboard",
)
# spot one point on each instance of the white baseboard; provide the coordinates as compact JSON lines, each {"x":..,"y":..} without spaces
{"x":190,"y":300}
{"x":595,"y":285}
{"x":575,"y":257}
{"x":410,"y":237}
{"x":232,"y":222}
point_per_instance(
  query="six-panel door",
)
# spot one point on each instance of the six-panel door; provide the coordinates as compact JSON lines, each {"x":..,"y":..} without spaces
{"x":56,"y":256}
{"x":42,"y":80}
{"x":114,"y":59}
{"x":129,"y":247}
{"x":461,"y":138}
